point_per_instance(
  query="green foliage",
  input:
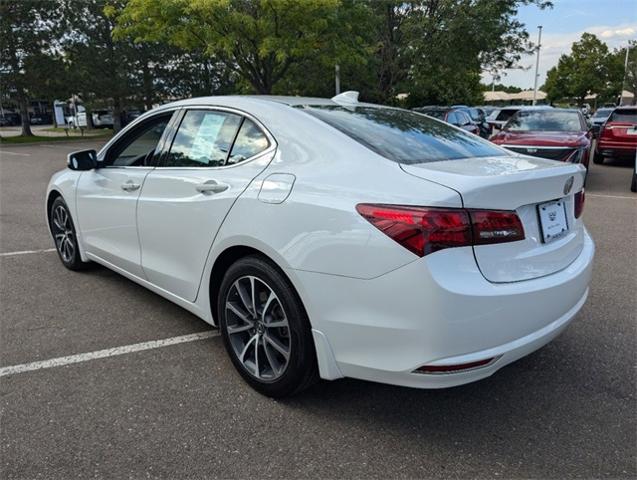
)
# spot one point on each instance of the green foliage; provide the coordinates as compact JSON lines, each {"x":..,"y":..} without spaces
{"x":589,"y":69}
{"x":31,"y":65}
{"x":261,"y":40}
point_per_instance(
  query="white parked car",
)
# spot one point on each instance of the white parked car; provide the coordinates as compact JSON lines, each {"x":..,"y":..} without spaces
{"x":102,"y":118}
{"x":332,"y":238}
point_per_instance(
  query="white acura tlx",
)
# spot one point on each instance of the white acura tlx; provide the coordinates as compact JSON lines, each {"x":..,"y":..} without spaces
{"x":333,"y":238}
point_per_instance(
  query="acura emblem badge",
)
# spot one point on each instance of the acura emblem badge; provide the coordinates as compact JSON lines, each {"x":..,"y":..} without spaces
{"x":568,"y":185}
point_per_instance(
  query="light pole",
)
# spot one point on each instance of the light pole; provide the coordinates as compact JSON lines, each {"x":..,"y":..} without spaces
{"x":537,"y":62}
{"x":621,"y":95}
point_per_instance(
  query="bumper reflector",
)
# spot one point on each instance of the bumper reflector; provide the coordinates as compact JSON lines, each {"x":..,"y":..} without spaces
{"x":460,"y":367}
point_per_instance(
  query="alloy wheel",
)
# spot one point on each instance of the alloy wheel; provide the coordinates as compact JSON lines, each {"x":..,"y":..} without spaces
{"x":258,"y":328}
{"x":63,"y":233}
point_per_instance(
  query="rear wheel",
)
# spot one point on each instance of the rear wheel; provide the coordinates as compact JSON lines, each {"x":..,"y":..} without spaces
{"x":63,"y":231}
{"x":598,"y":158}
{"x":633,"y":185}
{"x":265,"y":328}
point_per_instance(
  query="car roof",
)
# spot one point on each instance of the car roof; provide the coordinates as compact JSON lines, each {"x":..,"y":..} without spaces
{"x":291,"y":101}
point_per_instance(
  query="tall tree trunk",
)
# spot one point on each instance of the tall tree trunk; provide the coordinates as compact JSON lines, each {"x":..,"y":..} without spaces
{"x":24,"y":116}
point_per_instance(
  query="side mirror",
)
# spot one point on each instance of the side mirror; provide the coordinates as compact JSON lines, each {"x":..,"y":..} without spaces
{"x":82,"y":160}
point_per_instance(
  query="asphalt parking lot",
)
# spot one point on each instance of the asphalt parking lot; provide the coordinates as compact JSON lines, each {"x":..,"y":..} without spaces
{"x":568,"y":410}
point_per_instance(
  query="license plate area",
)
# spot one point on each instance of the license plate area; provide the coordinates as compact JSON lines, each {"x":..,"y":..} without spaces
{"x":553,"y":223}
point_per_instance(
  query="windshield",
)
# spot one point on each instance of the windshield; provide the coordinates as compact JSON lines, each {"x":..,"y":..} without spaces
{"x":404,"y":136}
{"x":545,"y":121}
{"x":624,"y":115}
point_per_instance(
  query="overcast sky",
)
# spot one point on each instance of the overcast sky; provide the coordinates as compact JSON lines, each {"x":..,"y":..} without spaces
{"x":613,"y":21}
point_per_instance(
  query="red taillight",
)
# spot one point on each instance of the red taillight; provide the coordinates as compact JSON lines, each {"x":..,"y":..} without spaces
{"x":579,"y":203}
{"x":424,"y":230}
{"x":493,"y":226}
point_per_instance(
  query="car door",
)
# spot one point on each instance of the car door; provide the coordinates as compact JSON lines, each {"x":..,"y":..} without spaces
{"x":214,"y":156}
{"x":107,"y":196}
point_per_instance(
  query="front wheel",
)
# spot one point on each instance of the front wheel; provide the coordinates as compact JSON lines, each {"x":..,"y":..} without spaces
{"x":598,"y":158}
{"x":633,"y":185}
{"x":63,"y":231}
{"x":265,"y":328}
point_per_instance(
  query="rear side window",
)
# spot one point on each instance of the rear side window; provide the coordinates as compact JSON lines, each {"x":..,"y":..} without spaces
{"x":203,"y":139}
{"x":404,"y":136}
{"x":250,"y":141}
{"x":624,"y":115}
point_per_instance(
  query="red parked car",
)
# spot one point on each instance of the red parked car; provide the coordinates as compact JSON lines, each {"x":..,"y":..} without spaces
{"x":556,"y":134}
{"x":618,"y":135}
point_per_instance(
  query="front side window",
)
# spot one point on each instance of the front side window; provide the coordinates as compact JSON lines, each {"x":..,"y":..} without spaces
{"x":250,"y":141}
{"x":138,"y":147}
{"x":545,"y":121}
{"x":203,"y":139}
{"x":402,"y":135}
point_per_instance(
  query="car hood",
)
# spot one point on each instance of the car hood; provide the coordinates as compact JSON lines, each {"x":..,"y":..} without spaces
{"x":544,"y":139}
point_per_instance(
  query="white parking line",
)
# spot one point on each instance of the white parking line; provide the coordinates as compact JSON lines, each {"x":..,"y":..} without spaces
{"x":26,"y":252}
{"x":610,"y":196}
{"x":15,"y":153}
{"x":109,"y":352}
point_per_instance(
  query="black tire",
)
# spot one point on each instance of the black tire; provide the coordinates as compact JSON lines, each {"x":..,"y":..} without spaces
{"x":63,"y":232}
{"x":633,"y":184}
{"x":598,"y":158}
{"x":301,"y":370}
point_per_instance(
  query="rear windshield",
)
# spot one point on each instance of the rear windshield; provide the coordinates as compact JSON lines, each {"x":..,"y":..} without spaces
{"x":545,"y":121}
{"x":624,"y":115}
{"x":504,"y":115}
{"x":404,"y":136}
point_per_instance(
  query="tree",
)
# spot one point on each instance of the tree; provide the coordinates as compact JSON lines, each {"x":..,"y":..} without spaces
{"x":30,"y":63}
{"x":588,"y":69}
{"x":259,"y":39}
{"x":452,"y":41}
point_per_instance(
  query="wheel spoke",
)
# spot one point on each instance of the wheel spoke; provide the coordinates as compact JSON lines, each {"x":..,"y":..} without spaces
{"x":56,"y":222}
{"x":267,"y":305}
{"x":232,"y":329}
{"x":245,"y":297}
{"x":245,"y":349}
{"x":274,"y":365}
{"x":277,"y":324}
{"x":234,"y":309}
{"x":256,"y":357}
{"x":278,"y":346}
{"x":254,"y":307}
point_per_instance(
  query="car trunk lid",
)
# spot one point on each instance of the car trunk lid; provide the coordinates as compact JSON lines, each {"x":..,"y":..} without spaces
{"x":523,"y":184}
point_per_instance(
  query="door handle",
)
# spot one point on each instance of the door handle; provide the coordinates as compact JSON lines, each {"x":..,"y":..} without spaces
{"x":130,"y":186}
{"x":212,"y":186}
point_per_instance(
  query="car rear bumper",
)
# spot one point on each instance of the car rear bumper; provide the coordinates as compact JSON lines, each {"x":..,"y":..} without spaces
{"x":438,"y":310}
{"x":610,"y":148}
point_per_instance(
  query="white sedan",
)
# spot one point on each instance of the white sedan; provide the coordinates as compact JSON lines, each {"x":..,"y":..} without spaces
{"x":332,"y":238}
